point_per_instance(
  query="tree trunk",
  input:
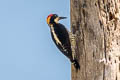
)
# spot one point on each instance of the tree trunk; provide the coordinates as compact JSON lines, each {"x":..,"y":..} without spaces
{"x":96,"y":24}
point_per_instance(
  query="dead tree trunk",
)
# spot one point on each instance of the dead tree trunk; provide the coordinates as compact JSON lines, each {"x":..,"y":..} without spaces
{"x":96,"y":24}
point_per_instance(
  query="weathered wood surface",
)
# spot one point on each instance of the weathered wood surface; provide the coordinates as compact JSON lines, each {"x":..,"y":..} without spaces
{"x":96,"y":24}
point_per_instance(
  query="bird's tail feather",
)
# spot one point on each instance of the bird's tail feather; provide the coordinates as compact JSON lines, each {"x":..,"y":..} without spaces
{"x":76,"y":64}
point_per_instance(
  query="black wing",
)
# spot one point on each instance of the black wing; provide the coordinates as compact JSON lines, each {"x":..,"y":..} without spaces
{"x":63,"y":36}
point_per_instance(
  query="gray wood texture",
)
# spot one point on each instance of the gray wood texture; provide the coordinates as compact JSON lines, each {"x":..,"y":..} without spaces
{"x":96,"y":24}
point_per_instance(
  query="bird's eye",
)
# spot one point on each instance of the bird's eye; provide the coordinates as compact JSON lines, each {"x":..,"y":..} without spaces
{"x":55,"y":15}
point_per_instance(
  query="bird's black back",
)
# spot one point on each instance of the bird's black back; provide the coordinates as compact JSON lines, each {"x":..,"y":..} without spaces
{"x":63,"y":36}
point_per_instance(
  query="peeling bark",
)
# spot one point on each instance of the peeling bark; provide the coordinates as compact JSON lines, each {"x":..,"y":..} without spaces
{"x":96,"y":24}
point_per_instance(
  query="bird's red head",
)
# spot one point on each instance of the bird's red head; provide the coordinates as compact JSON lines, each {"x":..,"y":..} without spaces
{"x":48,"y":18}
{"x":53,"y":18}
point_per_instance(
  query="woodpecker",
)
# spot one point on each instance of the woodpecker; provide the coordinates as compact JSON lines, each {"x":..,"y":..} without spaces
{"x":60,"y":36}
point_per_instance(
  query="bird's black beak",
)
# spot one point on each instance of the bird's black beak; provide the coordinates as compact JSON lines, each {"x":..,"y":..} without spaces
{"x":59,"y":18}
{"x":62,"y":18}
